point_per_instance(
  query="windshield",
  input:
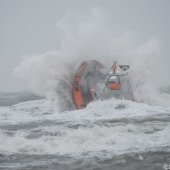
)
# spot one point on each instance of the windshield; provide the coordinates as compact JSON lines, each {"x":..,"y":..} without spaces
{"x":113,"y":79}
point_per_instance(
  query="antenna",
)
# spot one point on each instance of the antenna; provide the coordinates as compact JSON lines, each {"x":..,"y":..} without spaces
{"x":114,"y":65}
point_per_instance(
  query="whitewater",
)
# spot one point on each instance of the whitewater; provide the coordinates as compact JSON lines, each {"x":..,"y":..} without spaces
{"x":47,"y":132}
{"x":105,"y":135}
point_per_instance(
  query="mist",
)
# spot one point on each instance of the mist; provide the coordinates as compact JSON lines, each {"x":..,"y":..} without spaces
{"x":95,"y":29}
{"x":93,"y":37}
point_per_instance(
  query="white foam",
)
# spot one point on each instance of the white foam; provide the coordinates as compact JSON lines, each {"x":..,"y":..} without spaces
{"x":48,"y":110}
{"x":118,"y":138}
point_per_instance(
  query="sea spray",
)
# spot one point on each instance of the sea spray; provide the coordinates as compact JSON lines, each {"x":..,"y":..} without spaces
{"x":93,"y":37}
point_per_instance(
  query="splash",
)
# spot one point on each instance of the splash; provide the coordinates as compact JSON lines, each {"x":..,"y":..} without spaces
{"x":93,"y":37}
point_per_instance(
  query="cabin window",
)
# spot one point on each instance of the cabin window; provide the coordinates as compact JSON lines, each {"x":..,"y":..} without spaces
{"x":113,"y":79}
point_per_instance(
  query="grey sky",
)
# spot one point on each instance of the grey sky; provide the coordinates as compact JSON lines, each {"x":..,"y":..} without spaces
{"x":29,"y":27}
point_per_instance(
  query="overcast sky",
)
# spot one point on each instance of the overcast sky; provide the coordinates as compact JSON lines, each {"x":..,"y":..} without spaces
{"x":29,"y":27}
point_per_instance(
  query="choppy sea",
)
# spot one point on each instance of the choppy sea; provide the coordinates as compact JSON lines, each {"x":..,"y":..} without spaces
{"x":107,"y":135}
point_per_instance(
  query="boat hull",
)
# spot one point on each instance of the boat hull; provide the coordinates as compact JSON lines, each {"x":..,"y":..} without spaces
{"x":83,"y":83}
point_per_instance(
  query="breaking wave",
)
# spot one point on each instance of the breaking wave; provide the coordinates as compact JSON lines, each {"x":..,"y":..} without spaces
{"x":35,"y":131}
{"x":92,"y":37}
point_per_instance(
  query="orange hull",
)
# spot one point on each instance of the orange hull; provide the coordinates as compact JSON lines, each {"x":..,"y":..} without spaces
{"x":77,"y":88}
{"x":80,"y":98}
